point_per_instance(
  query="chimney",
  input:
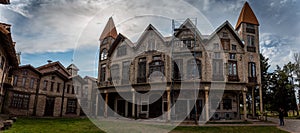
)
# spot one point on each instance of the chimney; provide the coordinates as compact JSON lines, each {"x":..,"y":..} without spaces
{"x":49,"y":61}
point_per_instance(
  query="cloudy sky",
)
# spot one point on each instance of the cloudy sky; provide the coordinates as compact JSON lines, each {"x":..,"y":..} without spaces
{"x":68,"y":30}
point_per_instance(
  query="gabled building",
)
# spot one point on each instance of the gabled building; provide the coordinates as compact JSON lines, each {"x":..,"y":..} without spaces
{"x":48,"y":90}
{"x":130,"y":74}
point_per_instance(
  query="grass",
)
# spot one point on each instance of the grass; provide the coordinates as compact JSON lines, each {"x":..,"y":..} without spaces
{"x":83,"y":125}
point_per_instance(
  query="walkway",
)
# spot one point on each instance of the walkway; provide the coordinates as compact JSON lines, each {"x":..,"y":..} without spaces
{"x":290,"y":125}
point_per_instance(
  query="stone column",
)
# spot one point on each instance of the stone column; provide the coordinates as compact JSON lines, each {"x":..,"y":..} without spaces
{"x":244,"y":103}
{"x":97,"y":104}
{"x":106,"y":104}
{"x":133,"y":102}
{"x":169,"y":104}
{"x":206,"y":88}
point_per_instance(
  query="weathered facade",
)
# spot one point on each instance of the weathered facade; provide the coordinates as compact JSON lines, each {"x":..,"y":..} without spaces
{"x":8,"y":60}
{"x":227,"y":62}
{"x":48,"y":90}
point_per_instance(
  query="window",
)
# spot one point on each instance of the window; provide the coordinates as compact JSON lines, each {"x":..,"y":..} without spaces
{"x":189,"y":43}
{"x":77,"y":90}
{"x":122,"y":50}
{"x":218,"y":69}
{"x":232,"y":56}
{"x":177,"y":68}
{"x":216,"y":46}
{"x":58,"y":87}
{"x":217,"y":55}
{"x":215,"y":103}
{"x":125,"y":72}
{"x":233,"y":47}
{"x":71,"y":106}
{"x":193,"y":67}
{"x":225,"y":35}
{"x":250,"y":40}
{"x":227,"y":104}
{"x":252,"y":69}
{"x":45,"y":85}
{"x":103,"y":73}
{"x":20,"y":101}
{"x":232,"y":68}
{"x":250,"y":28}
{"x":115,"y":72}
{"x":156,"y":66}
{"x":53,"y":77}
{"x":68,"y":88}
{"x":51,"y":86}
{"x":105,"y":41}
{"x":15,"y":80}
{"x":31,"y":83}
{"x":24,"y":72}
{"x":151,"y":45}
{"x":225,"y":44}
{"x":23,"y":82}
{"x":104,"y":54}
{"x":141,"y":70}
{"x":73,"y":89}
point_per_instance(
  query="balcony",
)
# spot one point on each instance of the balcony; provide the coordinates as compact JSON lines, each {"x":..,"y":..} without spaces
{"x":233,"y":78}
{"x":252,"y":79}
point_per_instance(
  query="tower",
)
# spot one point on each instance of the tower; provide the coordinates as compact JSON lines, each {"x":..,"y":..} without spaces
{"x":106,"y":39}
{"x":248,"y":29}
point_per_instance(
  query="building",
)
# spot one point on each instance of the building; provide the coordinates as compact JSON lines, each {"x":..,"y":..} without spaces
{"x":228,"y":57}
{"x":48,"y":90}
{"x":88,"y":103}
{"x":8,"y":60}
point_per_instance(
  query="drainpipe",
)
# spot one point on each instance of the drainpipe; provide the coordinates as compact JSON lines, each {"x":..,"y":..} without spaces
{"x":62,"y":99}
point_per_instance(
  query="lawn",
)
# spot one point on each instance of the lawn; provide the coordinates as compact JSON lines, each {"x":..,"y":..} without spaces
{"x":79,"y":125}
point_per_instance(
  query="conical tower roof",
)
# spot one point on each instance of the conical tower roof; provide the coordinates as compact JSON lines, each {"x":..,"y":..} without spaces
{"x":109,"y":30}
{"x":247,"y":16}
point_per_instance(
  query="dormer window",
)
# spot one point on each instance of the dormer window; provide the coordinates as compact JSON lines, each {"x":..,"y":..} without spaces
{"x":233,"y":47}
{"x":105,"y":41}
{"x":189,"y":43}
{"x":216,"y":46}
{"x":151,"y":44}
{"x":232,"y":56}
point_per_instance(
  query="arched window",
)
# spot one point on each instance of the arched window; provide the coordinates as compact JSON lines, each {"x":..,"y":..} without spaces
{"x":104,"y":54}
{"x":194,"y":69}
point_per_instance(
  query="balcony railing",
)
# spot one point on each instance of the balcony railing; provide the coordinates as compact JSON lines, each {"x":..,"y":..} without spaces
{"x":252,"y":79}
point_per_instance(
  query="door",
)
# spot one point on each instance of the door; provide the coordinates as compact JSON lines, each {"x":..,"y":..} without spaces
{"x":49,"y":108}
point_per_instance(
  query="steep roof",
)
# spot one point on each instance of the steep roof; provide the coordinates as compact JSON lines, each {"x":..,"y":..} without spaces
{"x":73,"y":67}
{"x":58,"y":66}
{"x":109,"y":30}
{"x":30,"y":67}
{"x":8,"y":45}
{"x":247,"y":16}
{"x":4,"y":2}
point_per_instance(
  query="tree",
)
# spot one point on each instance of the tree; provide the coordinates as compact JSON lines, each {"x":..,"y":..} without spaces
{"x":265,"y":76}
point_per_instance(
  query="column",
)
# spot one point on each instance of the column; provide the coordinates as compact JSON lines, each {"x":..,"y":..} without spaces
{"x":253,"y":101}
{"x":133,"y":102}
{"x":97,"y":104}
{"x":206,"y":88}
{"x":106,"y":104}
{"x":244,"y":103}
{"x":169,"y":104}
{"x":261,"y":107}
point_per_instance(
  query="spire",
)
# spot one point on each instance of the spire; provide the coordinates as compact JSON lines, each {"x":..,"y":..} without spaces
{"x":109,"y":30}
{"x":247,"y":16}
